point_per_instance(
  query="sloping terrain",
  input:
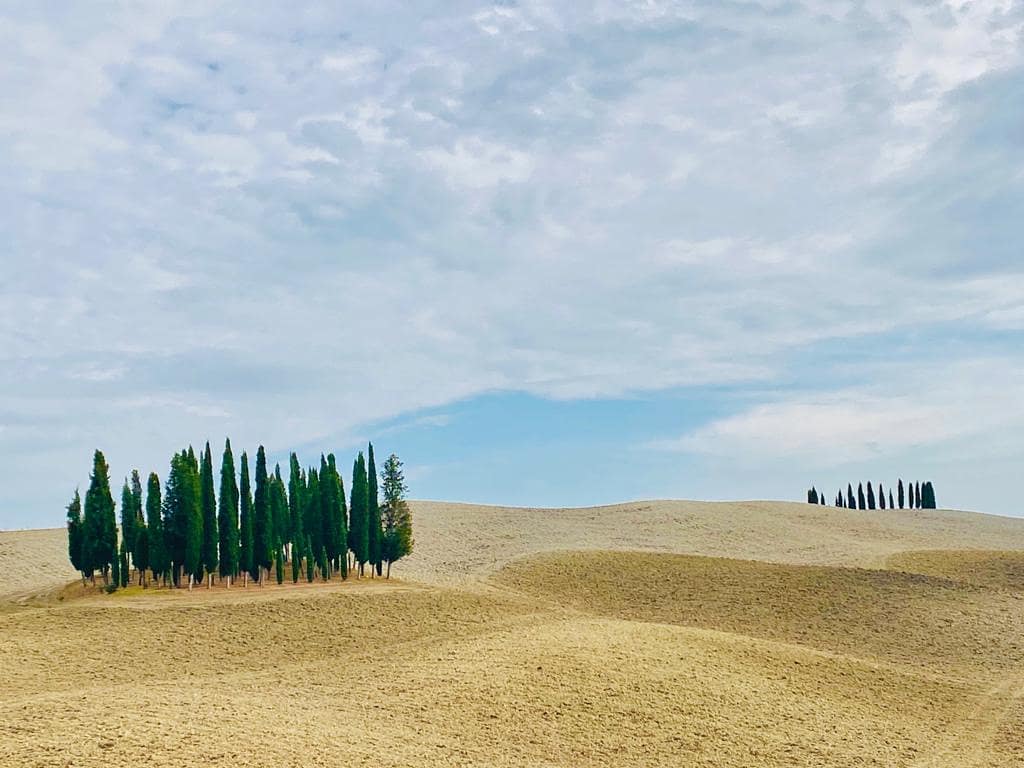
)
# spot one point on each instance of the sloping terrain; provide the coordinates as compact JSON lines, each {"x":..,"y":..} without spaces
{"x":784,"y":642}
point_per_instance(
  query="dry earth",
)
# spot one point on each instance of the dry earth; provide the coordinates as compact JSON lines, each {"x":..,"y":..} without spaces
{"x":748,"y":634}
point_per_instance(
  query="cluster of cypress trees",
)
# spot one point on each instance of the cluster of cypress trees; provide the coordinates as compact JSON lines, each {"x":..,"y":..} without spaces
{"x":917,"y":496}
{"x":192,"y":532}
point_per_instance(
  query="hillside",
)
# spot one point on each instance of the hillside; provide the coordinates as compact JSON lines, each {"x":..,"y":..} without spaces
{"x":746,"y":635}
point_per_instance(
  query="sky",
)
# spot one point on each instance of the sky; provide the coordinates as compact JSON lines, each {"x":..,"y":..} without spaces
{"x":550,"y":253}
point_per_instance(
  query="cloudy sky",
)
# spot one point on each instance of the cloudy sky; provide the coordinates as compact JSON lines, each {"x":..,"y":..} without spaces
{"x":551,"y":253}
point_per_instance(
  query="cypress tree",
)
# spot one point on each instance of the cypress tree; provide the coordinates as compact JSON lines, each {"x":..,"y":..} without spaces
{"x":928,"y":491}
{"x":358,"y":530}
{"x":208,"y":498}
{"x":861,"y":504}
{"x":341,"y":513}
{"x":871,"y":497}
{"x":247,"y":559}
{"x":99,"y":526}
{"x":75,"y":535}
{"x":917,"y":494}
{"x":281,"y":512}
{"x":812,"y":496}
{"x":263,"y":523}
{"x":375,"y":533}
{"x":296,"y":488}
{"x":397,"y":540}
{"x":141,"y":554}
{"x":175,"y":523}
{"x":124,"y":565}
{"x":128,"y":515}
{"x":309,"y":559}
{"x":329,"y":509}
{"x":314,"y":513}
{"x":158,"y":562}
{"x":279,"y":563}
{"x":296,"y":562}
{"x":891,"y":505}
{"x":821,"y":499}
{"x":899,"y":493}
{"x":881,"y":497}
{"x":849,"y":497}
{"x":228,"y":516}
{"x":115,"y":574}
{"x":140,"y":518}
{"x":192,"y":510}
{"x":911,"y":503}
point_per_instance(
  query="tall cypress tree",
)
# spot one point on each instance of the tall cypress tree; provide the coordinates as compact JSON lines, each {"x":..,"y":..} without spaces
{"x":917,"y":494}
{"x":812,"y":496}
{"x":891,"y":505}
{"x":158,"y":561}
{"x":228,"y":516}
{"x":871,"y":496}
{"x":341,"y":513}
{"x":358,"y":533}
{"x":263,"y":523}
{"x":141,"y":553}
{"x":124,"y":564}
{"x":75,"y":534}
{"x":314,"y":519}
{"x":99,"y":524}
{"x":911,"y":502}
{"x":296,"y":488}
{"x":192,"y":509}
{"x":279,"y":563}
{"x":861,"y":503}
{"x":247,"y":559}
{"x":849,"y":497}
{"x":175,"y":522}
{"x":881,"y":497}
{"x":899,"y":493}
{"x":281,"y":512}
{"x":115,"y":574}
{"x":208,"y":499}
{"x":329,"y":490}
{"x":928,"y":492}
{"x":309,"y":559}
{"x":375,"y":533}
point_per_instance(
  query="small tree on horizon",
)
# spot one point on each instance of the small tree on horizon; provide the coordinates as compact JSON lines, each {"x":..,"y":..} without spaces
{"x":881,"y":497}
{"x":899,"y":493}
{"x":395,"y":514}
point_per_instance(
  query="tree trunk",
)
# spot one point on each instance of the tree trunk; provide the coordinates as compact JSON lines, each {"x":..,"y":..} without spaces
{"x":190,"y":579}
{"x":389,"y":570}
{"x":245,"y":579}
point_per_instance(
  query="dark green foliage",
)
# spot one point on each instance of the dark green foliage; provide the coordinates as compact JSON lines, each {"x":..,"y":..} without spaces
{"x":861,"y":503}
{"x":75,"y":534}
{"x":397,"y":541}
{"x":208,"y":499}
{"x":279,"y":563}
{"x":891,"y":505}
{"x":812,"y":496}
{"x":881,"y":497}
{"x":296,"y":562}
{"x":917,"y":494}
{"x":313,"y":506}
{"x":375,"y":533}
{"x":911,"y":501}
{"x":263,"y":522}
{"x":341,"y":511}
{"x":281,"y":513}
{"x":871,"y":497}
{"x":227,"y":520}
{"x":359,"y":541}
{"x":247,"y":560}
{"x":821,"y":499}
{"x":141,"y":554}
{"x":129,"y":515}
{"x":159,"y":562}
{"x":296,"y":491}
{"x":849,"y":497}
{"x":309,"y":559}
{"x":899,"y":493}
{"x":124,"y":565}
{"x":928,"y":496}
{"x":98,"y":524}
{"x":140,"y":518}
{"x":191,"y":511}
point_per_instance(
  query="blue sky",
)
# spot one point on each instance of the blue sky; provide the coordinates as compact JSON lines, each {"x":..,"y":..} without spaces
{"x":550,"y":253}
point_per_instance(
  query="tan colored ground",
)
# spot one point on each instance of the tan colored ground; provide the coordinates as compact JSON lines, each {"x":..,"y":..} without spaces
{"x":562,"y":658}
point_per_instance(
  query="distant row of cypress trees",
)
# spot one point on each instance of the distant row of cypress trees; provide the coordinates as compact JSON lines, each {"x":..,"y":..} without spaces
{"x":918,"y":496}
{"x":191,"y":532}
